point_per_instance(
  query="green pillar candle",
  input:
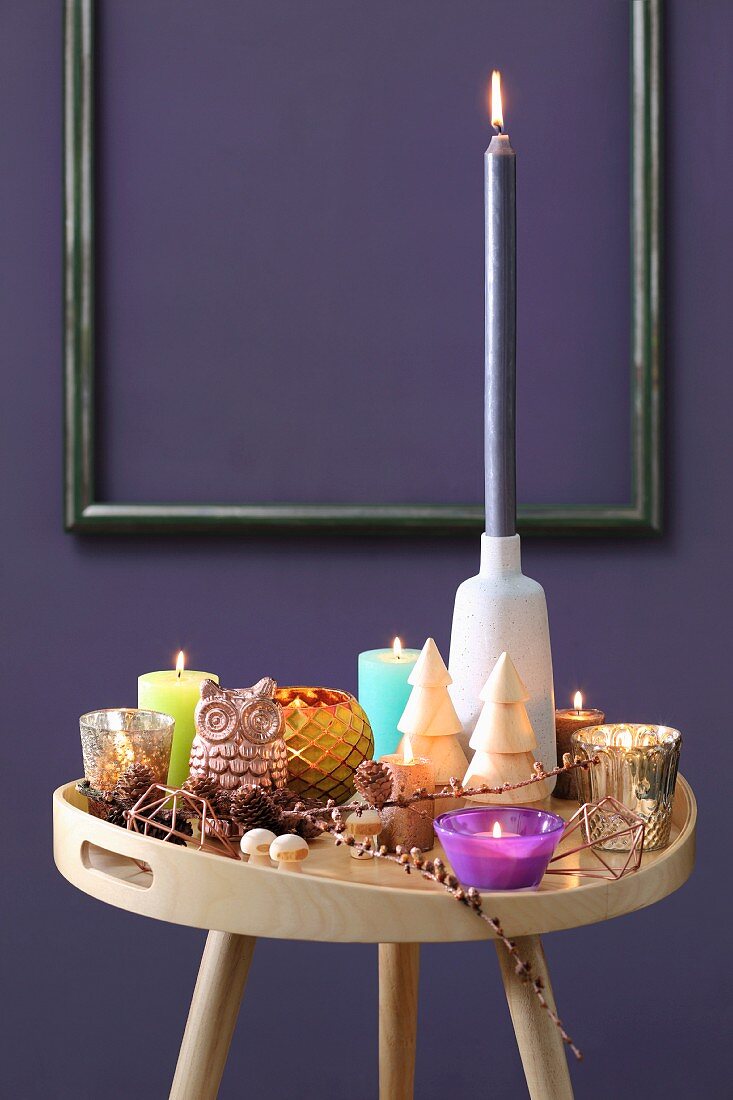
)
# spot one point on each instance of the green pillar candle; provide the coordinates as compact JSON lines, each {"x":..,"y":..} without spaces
{"x":175,"y":692}
{"x":384,"y":691}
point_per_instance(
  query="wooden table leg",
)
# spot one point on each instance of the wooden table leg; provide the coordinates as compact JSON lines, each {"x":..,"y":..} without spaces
{"x":540,"y":1045}
{"x":212,"y":1016}
{"x":399,"y":968}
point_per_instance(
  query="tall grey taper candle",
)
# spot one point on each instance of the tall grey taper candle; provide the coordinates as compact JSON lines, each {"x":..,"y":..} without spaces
{"x":500,"y":337}
{"x":500,"y":610}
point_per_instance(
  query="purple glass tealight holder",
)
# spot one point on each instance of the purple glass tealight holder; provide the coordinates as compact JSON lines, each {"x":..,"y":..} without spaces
{"x":514,"y":860}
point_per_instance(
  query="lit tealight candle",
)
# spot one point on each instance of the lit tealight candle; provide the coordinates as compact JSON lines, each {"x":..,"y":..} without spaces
{"x":412,"y":827}
{"x":497,"y":833}
{"x":566,"y":723}
{"x":499,"y":848}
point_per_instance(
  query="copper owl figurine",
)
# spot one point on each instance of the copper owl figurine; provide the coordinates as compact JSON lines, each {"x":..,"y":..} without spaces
{"x":239,"y":737}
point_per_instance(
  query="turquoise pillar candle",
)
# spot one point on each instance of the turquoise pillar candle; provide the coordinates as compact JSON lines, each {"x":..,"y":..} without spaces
{"x":384,"y":691}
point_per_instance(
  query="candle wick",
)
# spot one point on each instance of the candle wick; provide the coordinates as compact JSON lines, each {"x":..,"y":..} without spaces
{"x":498,"y":127}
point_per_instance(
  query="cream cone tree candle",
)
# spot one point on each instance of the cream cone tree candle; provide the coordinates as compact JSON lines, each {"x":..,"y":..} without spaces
{"x":429,"y":721}
{"x":503,"y":739}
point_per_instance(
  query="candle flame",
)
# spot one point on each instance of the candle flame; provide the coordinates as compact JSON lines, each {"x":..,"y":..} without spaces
{"x":496,"y":831}
{"x":578,"y":700}
{"x":180,"y":662}
{"x":397,"y":648}
{"x":497,"y":114}
{"x":409,"y":756}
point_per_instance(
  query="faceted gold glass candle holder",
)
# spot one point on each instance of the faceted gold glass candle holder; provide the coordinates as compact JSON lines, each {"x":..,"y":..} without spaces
{"x":637,"y":765}
{"x":328,"y":736}
{"x":112,"y":740}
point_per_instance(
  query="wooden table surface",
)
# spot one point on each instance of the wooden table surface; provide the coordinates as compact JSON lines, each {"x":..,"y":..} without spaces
{"x":337,"y":898}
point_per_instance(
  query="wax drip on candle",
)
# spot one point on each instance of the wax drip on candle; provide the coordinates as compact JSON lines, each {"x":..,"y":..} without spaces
{"x":497,"y":114}
{"x":180,"y":663}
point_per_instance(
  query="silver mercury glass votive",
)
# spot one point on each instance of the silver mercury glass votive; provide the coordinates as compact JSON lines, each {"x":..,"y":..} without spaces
{"x":637,"y":764}
{"x":112,"y":740}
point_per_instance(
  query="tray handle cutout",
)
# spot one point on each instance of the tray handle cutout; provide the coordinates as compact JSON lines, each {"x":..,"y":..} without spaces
{"x":125,"y":869}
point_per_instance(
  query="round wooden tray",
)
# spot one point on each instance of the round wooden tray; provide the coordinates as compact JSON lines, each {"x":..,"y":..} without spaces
{"x":336,"y":898}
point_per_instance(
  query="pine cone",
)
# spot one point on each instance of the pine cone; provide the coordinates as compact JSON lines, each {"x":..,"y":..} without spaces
{"x":203,"y":786}
{"x":304,"y":826}
{"x":116,"y":816}
{"x":223,"y":807}
{"x":182,"y":825}
{"x":284,"y":798}
{"x":373,"y":781}
{"x":252,"y":808}
{"x":132,"y":785}
{"x":159,"y":823}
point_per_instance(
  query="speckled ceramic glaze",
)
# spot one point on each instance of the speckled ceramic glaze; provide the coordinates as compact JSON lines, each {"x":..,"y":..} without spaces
{"x":501,"y":609}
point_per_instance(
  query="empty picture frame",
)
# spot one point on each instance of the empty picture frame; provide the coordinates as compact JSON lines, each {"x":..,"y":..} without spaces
{"x":85,"y":512}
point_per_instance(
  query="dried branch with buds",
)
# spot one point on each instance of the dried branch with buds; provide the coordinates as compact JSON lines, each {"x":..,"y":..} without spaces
{"x":435,"y":871}
{"x":453,"y":789}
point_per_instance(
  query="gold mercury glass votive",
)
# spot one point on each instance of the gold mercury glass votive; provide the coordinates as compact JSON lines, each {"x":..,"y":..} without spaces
{"x":112,"y":740}
{"x":328,"y":736}
{"x":638,"y":766}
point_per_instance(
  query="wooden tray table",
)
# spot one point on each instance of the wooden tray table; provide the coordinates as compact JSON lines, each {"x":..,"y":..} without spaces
{"x":343,"y":900}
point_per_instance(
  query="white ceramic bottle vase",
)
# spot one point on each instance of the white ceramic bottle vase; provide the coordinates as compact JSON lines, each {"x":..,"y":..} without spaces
{"x":501,"y":609}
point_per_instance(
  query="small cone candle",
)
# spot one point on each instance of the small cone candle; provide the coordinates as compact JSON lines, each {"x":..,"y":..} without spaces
{"x":504,"y":739}
{"x":429,"y":721}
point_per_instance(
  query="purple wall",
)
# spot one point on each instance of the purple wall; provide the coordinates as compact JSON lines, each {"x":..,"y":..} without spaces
{"x":291,"y":222}
{"x":643,"y":626}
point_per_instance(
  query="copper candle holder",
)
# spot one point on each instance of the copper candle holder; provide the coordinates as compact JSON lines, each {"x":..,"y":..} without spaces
{"x":409,"y":826}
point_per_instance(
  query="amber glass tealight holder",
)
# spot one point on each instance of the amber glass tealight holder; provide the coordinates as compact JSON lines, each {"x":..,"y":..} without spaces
{"x":637,"y":765}
{"x":328,"y":735}
{"x":112,"y":740}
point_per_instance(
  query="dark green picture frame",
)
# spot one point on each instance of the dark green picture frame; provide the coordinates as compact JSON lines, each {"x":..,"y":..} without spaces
{"x":642,"y":516}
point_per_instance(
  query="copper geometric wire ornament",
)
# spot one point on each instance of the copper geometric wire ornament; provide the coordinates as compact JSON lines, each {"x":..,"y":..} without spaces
{"x":183,"y":806}
{"x":607,"y":823}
